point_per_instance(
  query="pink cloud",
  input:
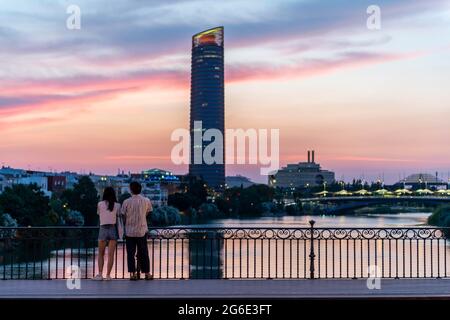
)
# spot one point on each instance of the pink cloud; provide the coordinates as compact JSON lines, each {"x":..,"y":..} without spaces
{"x":76,"y":91}
{"x":84,"y":91}
{"x":157,"y":79}
{"x":312,"y":68}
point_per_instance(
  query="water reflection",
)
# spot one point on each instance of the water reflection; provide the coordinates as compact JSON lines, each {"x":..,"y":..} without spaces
{"x":206,"y":255}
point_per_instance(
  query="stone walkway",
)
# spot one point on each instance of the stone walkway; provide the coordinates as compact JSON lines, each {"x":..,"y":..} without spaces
{"x":298,"y":289}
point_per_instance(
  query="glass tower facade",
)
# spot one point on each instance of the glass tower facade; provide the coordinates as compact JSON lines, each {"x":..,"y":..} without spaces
{"x":207,"y":102}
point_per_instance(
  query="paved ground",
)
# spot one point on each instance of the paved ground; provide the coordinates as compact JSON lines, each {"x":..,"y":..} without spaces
{"x":303,"y":289}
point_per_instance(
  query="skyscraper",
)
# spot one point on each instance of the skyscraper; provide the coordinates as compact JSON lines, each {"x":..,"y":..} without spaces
{"x":207,"y":101}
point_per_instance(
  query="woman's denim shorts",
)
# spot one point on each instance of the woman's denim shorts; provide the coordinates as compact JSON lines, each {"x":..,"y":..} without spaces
{"x":108,"y":232}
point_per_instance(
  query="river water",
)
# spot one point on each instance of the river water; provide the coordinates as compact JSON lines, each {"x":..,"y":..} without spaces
{"x":358,"y":221}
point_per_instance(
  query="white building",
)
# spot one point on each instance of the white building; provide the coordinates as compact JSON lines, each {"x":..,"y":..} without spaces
{"x":11,"y":172}
{"x":119,"y":183}
{"x":4,"y":182}
{"x":302,"y":174}
{"x":156,"y":193}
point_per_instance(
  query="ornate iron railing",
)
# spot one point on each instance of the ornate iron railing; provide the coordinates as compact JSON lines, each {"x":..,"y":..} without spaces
{"x":235,"y":253}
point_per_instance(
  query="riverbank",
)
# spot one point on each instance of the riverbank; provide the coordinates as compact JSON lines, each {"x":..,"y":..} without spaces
{"x":387,"y":209}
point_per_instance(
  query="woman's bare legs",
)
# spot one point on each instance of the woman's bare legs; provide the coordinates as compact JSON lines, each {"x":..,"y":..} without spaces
{"x":101,"y":253}
{"x":111,"y":251}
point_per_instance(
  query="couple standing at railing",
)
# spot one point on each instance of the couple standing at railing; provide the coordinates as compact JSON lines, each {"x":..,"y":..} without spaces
{"x":114,"y":218}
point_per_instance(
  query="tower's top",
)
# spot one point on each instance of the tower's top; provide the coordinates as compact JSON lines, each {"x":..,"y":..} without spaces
{"x":212,"y":36}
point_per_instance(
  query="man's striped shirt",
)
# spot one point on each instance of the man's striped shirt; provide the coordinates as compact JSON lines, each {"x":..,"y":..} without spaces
{"x":135,"y":210}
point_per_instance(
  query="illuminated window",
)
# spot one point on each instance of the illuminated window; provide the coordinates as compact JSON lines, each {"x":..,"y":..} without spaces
{"x":211,"y":56}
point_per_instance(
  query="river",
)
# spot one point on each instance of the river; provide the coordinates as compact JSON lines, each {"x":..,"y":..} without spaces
{"x":416,"y":219}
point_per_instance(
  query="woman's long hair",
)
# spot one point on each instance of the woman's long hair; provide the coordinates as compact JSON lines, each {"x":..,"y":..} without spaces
{"x":109,"y":195}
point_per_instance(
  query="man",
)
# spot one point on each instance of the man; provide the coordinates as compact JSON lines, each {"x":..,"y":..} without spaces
{"x":135,"y":211}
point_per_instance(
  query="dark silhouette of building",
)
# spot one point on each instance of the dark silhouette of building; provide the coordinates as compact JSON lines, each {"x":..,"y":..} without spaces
{"x":207,"y":102}
{"x":56,"y":183}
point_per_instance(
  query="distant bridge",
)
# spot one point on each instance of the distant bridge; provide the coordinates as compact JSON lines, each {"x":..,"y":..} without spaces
{"x":342,"y":204}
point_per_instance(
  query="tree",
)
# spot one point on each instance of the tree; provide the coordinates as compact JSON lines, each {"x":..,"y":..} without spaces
{"x":293,"y":209}
{"x":7,"y":221}
{"x":124,"y":197}
{"x":165,"y":215}
{"x":27,"y":204}
{"x":83,"y":198}
{"x":50,"y":219}
{"x":440,"y":217}
{"x":197,"y":191}
{"x":58,"y":210}
{"x":208,"y":211}
{"x":181,"y":201}
{"x":223,"y":205}
{"x":249,"y":201}
{"x":74,"y":218}
{"x":57,"y":205}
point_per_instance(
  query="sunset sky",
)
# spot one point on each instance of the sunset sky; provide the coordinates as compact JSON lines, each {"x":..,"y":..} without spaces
{"x":108,"y":96}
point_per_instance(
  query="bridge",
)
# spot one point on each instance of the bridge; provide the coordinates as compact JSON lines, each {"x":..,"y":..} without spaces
{"x":234,"y":253}
{"x":313,"y":262}
{"x":205,"y":289}
{"x":301,"y":263}
{"x":343,"y":204}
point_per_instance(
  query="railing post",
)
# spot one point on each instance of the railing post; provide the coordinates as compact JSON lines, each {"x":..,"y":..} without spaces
{"x":311,"y":252}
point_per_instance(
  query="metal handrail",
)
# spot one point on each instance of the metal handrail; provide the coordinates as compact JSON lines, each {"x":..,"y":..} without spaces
{"x":242,"y":252}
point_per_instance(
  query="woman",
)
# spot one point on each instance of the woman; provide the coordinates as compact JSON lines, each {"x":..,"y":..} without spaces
{"x":108,"y":210}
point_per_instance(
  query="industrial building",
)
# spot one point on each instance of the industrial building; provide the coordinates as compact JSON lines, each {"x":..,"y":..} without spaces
{"x":302,"y":174}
